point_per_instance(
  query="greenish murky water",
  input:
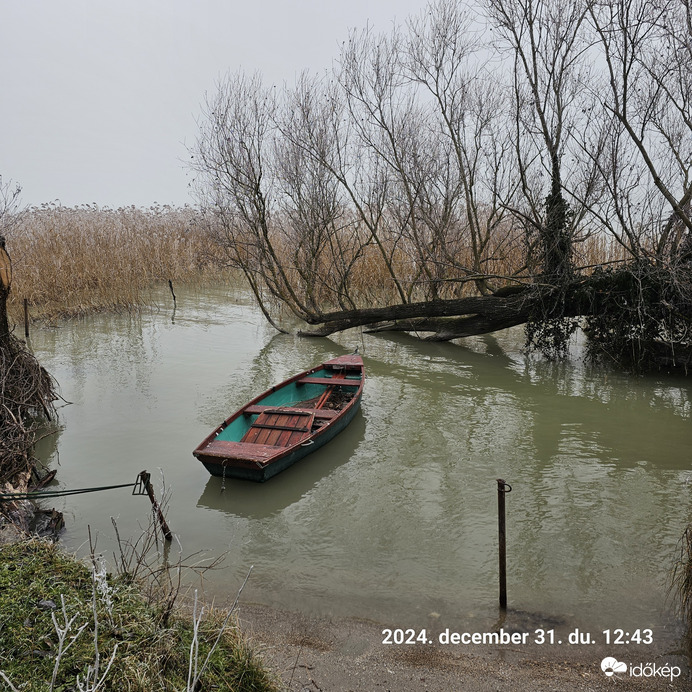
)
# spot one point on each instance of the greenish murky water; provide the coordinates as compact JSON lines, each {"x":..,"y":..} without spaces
{"x":397,"y":519}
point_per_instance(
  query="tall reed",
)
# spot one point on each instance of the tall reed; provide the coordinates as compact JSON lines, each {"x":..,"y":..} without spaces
{"x":70,"y":261}
{"x":681,"y":585}
{"x":355,"y":273}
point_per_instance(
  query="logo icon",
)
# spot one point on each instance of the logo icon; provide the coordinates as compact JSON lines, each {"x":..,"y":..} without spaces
{"x":610,"y":666}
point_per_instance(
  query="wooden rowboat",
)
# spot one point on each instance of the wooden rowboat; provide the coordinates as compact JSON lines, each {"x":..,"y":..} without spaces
{"x":285,"y":423}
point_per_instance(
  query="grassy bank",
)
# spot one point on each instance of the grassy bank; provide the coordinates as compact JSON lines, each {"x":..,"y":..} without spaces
{"x":59,"y":618}
{"x":72,"y":261}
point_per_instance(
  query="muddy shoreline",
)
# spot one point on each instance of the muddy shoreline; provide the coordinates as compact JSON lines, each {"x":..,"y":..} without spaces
{"x":347,"y":654}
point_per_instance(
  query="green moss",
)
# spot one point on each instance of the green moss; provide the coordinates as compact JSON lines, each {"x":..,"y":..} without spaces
{"x":150,"y":655}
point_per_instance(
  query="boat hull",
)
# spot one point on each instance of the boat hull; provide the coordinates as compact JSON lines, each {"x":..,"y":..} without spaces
{"x":250,"y":471}
{"x":286,"y":423}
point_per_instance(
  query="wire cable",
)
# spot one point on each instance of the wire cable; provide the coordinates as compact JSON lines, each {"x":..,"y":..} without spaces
{"x":7,"y":497}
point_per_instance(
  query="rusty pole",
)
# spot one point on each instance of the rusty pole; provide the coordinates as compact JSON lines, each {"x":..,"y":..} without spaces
{"x":502,"y":488}
{"x":146,"y":480}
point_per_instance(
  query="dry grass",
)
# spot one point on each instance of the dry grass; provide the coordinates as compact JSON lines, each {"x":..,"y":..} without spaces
{"x":71,"y":261}
{"x":449,"y":270}
{"x":681,"y":584}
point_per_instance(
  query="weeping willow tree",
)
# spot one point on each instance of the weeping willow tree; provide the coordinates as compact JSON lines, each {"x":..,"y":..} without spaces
{"x":471,"y":170}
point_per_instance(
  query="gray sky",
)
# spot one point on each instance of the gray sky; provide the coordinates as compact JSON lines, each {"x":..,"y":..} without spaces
{"x":100,"y":98}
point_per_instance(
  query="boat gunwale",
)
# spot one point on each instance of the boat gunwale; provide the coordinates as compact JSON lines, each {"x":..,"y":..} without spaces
{"x":226,"y":462}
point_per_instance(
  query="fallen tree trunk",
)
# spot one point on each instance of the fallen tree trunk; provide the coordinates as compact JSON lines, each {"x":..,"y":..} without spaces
{"x":484,"y":313}
{"x":640,"y":317}
{"x":471,"y":316}
{"x":493,"y":318}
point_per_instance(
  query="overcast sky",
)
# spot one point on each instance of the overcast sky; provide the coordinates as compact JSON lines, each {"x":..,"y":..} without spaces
{"x":99,"y":99}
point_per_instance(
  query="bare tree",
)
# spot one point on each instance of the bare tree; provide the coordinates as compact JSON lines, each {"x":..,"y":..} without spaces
{"x":315,"y":217}
{"x":548,"y":45}
{"x":387,"y":123}
{"x":648,"y":52}
{"x":647,"y":49}
{"x":234,"y":183}
{"x":468,"y":176}
{"x":441,"y":56}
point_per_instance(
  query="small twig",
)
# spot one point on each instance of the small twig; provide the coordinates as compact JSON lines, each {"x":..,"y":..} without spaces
{"x":170,"y":285}
{"x":62,"y":633}
{"x":295,"y":665}
{"x":7,"y":680}
{"x":194,"y":648}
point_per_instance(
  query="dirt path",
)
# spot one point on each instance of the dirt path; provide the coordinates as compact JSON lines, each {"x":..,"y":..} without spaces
{"x":347,"y":655}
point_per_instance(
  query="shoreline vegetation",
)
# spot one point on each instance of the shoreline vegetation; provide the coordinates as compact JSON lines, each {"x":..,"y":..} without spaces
{"x":60,"y":619}
{"x":70,"y":261}
{"x":66,"y":626}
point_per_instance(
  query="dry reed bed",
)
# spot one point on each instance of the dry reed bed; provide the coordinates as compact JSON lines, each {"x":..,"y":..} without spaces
{"x":448,"y":273}
{"x":70,"y":261}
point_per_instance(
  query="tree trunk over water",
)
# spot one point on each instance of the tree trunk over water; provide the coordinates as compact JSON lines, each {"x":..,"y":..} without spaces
{"x":605,"y":301}
{"x":455,"y":318}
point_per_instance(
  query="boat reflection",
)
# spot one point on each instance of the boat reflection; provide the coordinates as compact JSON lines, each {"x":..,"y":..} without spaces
{"x":260,"y":500}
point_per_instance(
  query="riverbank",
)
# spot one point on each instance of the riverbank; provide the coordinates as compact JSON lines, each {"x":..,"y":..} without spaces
{"x":63,"y":623}
{"x":348,"y":655}
{"x":307,"y":652}
{"x":27,"y":396}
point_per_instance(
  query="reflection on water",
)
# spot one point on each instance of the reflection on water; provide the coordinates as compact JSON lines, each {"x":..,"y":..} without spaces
{"x":397,"y":518}
{"x":262,"y":500}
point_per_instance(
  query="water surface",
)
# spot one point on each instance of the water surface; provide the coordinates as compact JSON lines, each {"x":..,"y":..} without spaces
{"x":397,"y":520}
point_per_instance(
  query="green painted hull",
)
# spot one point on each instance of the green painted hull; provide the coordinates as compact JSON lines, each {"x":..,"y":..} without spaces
{"x":227,"y":452}
{"x":260,"y":474}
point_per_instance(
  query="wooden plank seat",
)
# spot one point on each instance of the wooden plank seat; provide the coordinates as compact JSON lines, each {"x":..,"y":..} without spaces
{"x":352,"y":362}
{"x":241,"y":450}
{"x":277,"y":426}
{"x":325,"y":413}
{"x":342,"y":368}
{"x":330,"y":381}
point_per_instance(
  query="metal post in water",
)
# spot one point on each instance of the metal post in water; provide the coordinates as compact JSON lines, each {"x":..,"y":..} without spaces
{"x":502,"y":488}
{"x":146,"y":481}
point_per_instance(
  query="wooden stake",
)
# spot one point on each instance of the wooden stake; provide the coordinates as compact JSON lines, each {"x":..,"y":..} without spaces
{"x":502,"y":488}
{"x":146,"y":480}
